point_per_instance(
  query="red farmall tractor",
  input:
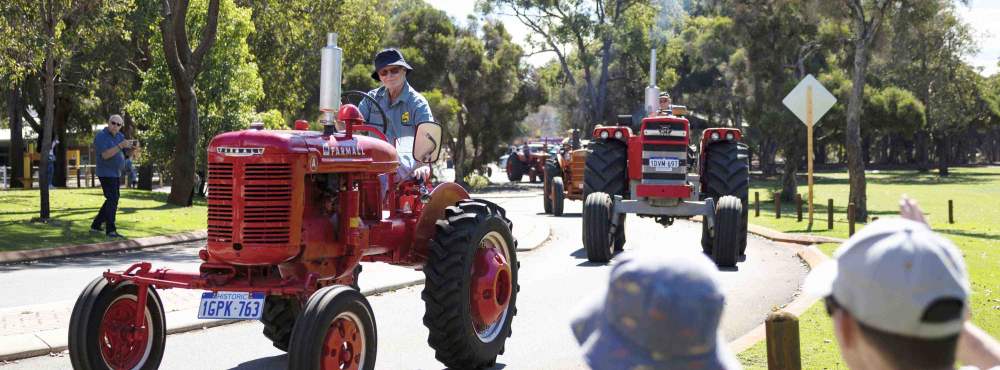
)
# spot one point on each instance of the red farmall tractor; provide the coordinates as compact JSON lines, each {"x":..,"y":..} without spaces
{"x":291,"y":216}
{"x":564,"y":174}
{"x":651,"y":172}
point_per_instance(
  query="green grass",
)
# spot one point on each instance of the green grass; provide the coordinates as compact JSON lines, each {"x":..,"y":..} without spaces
{"x":140,"y":213}
{"x":976,"y":231}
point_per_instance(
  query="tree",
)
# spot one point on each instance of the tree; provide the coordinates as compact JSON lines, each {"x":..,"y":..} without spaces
{"x":287,"y":37}
{"x":866,"y":18}
{"x":228,"y":90}
{"x":588,"y":27}
{"x":184,"y":67}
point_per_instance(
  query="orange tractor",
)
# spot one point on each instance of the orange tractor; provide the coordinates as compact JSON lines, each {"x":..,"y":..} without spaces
{"x":564,"y":174}
{"x":291,"y":214}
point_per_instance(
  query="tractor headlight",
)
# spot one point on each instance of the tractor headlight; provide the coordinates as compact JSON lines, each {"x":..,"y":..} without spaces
{"x":714,"y":136}
{"x":604,"y":134}
{"x":729,"y":136}
{"x":619,"y":135}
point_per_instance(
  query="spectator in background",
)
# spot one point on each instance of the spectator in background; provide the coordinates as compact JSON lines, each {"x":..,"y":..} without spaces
{"x":129,"y":168}
{"x":110,"y":144}
{"x":899,"y":297}
{"x":52,"y":161}
{"x":658,"y":312}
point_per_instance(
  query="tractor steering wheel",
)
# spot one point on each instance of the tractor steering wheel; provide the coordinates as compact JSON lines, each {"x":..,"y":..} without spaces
{"x":364,"y":95}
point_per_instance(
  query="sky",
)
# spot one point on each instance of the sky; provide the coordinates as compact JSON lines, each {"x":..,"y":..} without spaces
{"x":982,"y":15}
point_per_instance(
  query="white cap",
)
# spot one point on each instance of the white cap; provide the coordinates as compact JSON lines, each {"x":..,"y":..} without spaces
{"x":890,"y":273}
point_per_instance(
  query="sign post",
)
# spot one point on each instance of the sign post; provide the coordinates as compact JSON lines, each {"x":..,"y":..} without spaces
{"x":809,"y":101}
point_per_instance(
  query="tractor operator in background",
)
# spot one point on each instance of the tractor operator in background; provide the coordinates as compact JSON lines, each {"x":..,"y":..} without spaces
{"x":665,"y":104}
{"x":403,"y":106}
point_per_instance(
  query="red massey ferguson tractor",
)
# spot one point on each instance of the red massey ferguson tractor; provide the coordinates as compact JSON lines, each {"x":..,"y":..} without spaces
{"x":291,"y":214}
{"x":651,"y":171}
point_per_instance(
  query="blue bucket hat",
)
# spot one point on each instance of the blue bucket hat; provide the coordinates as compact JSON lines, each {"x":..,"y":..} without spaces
{"x":658,"y":312}
{"x":389,"y":57}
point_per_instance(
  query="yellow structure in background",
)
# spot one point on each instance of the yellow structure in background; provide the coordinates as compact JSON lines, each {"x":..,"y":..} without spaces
{"x":31,"y":157}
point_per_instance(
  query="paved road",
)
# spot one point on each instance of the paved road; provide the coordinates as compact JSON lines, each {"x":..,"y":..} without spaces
{"x":554,"y":280}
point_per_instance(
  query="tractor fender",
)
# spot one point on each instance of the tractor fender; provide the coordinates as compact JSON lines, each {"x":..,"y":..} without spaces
{"x":443,"y":196}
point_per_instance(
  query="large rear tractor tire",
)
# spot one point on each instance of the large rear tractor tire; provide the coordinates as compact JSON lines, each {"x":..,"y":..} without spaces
{"x":727,"y":172}
{"x":597,"y":233}
{"x":102,"y":331}
{"x":471,"y":286}
{"x":605,"y":168}
{"x":726,"y":241}
{"x":557,"y":196}
{"x":336,"y":331}
{"x":515,"y":169}
{"x":280,"y":313}
{"x":551,"y":170}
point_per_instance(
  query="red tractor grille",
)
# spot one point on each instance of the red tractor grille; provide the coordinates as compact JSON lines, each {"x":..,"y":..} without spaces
{"x":267,"y":171}
{"x":267,"y":191}
{"x":219,"y":233}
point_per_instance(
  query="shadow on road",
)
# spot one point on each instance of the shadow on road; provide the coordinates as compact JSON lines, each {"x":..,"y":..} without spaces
{"x":273,"y":362}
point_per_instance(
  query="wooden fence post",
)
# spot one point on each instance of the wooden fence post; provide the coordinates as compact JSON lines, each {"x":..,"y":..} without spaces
{"x":951,"y":212}
{"x":756,"y":204}
{"x":777,"y":205}
{"x":829,"y":214}
{"x":783,"y":341}
{"x":798,"y":207}
{"x":850,"y":219}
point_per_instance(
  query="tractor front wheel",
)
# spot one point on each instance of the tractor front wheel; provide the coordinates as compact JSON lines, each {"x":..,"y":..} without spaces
{"x":597,"y":234}
{"x":103,"y":333}
{"x":726,"y":238}
{"x":557,"y":196}
{"x":727,"y":172}
{"x":336,"y":331}
{"x":471,"y":285}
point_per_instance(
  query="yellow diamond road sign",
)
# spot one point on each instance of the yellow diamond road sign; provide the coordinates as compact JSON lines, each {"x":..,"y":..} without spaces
{"x":809,"y":100}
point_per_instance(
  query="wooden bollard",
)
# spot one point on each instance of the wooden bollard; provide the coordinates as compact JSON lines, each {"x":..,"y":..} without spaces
{"x":850,"y":219}
{"x":777,"y":205}
{"x":798,"y":207}
{"x":951,"y":212}
{"x":829,"y":214}
{"x":783,"y":341}
{"x":756,"y":204}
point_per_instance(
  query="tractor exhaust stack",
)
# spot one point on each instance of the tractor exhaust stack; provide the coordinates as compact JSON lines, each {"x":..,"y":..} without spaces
{"x":331,"y":73}
{"x":652,"y":103}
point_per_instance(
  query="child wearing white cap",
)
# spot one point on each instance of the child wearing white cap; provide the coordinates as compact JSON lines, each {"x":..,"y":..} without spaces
{"x":899,"y":297}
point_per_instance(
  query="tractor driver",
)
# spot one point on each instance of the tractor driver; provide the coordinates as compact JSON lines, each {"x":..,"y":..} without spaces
{"x":403,"y":106}
{"x":665,"y":103}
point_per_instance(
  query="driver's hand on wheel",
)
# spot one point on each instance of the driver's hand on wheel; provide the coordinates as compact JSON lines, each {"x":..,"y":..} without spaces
{"x":423,"y":173}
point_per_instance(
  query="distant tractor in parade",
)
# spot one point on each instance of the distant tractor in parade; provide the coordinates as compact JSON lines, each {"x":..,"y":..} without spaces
{"x":653,"y":171}
{"x":564,"y":174}
{"x":527,"y":160}
{"x":291,"y":215}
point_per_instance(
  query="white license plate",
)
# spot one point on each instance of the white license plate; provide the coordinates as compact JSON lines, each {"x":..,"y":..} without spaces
{"x":231,"y":305}
{"x":664,"y":164}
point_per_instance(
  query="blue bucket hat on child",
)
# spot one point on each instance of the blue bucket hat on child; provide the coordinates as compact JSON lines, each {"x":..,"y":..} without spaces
{"x":658,"y":312}
{"x":389,"y":57}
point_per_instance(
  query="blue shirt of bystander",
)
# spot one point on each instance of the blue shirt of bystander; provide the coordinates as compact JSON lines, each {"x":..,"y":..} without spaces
{"x":110,"y":167}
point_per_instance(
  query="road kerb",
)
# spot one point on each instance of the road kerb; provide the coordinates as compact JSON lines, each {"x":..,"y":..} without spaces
{"x":94,"y":248}
{"x":813,"y":257}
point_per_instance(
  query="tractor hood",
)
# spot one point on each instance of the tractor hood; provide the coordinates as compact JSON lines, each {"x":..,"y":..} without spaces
{"x":268,"y":142}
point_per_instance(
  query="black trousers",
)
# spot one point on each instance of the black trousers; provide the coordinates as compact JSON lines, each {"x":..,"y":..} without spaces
{"x":110,"y":207}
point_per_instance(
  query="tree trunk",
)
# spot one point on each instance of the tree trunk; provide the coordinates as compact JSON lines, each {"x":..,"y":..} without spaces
{"x":14,"y":106}
{"x":186,"y":148}
{"x":459,"y":152}
{"x":50,"y":92}
{"x":855,"y":160}
{"x":920,"y":151}
{"x":789,"y":185}
{"x":941,"y":142}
